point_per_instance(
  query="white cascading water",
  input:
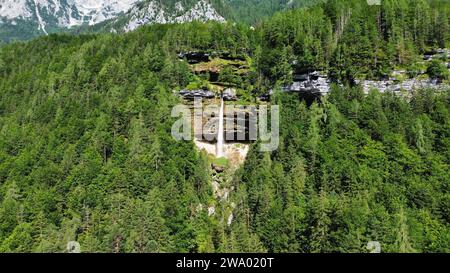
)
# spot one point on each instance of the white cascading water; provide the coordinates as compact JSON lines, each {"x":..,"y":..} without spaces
{"x":219,"y":153}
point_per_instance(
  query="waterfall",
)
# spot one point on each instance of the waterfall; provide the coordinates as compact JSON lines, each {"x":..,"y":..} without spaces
{"x":220,"y":134}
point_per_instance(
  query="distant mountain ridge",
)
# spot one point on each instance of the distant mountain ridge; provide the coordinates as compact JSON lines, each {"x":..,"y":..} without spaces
{"x":26,"y":19}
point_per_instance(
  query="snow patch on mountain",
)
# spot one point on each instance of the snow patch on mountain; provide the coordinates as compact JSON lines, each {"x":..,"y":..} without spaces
{"x":67,"y":13}
{"x":47,"y":16}
{"x":96,"y":11}
{"x":38,"y":15}
{"x":11,"y":9}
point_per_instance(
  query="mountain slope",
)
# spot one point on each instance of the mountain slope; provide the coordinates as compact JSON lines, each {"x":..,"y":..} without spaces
{"x":251,"y":11}
{"x":26,"y":19}
{"x":176,"y":11}
{"x":172,"y":12}
{"x":87,"y":155}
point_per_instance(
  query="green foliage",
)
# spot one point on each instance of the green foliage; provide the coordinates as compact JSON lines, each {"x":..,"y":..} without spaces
{"x":414,"y":70}
{"x":342,"y":178}
{"x":95,"y":147}
{"x":437,"y":70}
{"x":221,"y":162}
{"x":254,"y":11}
{"x":86,"y":153}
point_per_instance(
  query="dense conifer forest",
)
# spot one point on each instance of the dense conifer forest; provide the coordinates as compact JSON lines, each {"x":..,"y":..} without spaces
{"x":86,"y":152}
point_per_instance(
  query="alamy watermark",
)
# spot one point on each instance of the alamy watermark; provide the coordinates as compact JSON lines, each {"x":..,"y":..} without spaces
{"x":374,"y":2}
{"x":204,"y":123}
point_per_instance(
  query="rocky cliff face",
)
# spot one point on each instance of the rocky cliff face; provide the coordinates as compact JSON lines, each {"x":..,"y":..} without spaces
{"x":23,"y":19}
{"x":153,"y":12}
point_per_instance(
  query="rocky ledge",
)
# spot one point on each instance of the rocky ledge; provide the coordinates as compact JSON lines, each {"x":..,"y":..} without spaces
{"x":198,"y":93}
{"x":228,"y":94}
{"x":399,"y":86}
{"x":314,"y":83}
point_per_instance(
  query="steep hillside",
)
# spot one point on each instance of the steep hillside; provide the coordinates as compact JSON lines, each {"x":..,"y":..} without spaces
{"x":252,"y":11}
{"x":87,"y":155}
{"x":25,"y":19}
{"x":175,"y":11}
